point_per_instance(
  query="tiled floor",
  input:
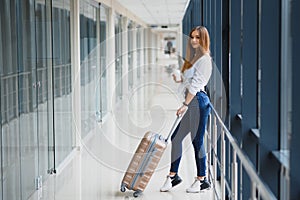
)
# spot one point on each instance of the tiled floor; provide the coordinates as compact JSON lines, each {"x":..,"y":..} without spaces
{"x":96,"y":170}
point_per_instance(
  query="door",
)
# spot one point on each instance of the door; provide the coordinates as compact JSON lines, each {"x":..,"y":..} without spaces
{"x":35,"y":94}
{"x":63,"y":140}
{"x":27,"y":94}
{"x":45,"y":161}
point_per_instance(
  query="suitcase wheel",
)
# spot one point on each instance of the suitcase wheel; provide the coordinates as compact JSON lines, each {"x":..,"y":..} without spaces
{"x":123,"y":188}
{"x":137,"y":193}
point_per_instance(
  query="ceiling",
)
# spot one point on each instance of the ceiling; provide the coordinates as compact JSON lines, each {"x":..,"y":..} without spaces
{"x":157,"y":12}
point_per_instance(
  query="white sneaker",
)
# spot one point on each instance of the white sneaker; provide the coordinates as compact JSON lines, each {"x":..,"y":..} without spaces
{"x":195,"y":187}
{"x":170,"y":182}
{"x":167,"y":185}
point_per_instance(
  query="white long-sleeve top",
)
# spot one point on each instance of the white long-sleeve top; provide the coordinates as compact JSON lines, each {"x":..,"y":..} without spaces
{"x":188,"y":75}
{"x":202,"y":72}
{"x":186,"y":80}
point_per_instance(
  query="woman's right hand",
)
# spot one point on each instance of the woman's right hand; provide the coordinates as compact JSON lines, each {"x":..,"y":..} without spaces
{"x":181,"y":110}
{"x":174,"y":77}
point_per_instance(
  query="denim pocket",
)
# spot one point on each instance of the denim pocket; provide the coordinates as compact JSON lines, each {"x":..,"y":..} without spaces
{"x":203,"y":100}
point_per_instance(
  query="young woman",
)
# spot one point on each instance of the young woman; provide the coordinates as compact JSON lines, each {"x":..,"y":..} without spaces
{"x":195,"y":119}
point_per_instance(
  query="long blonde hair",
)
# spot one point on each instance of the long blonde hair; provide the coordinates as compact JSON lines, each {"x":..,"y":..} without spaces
{"x":192,"y":55}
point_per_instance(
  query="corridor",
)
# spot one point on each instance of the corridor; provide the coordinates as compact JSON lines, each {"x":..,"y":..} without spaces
{"x":82,"y":81}
{"x":96,"y":171}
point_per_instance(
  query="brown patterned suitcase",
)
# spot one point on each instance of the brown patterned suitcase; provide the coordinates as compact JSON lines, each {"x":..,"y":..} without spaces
{"x":145,"y":161}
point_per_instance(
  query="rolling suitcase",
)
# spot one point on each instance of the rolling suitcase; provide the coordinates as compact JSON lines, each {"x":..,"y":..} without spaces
{"x":145,"y":161}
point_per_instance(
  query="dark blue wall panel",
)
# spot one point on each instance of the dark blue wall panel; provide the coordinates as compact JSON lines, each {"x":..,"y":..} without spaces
{"x":270,"y":54}
{"x":295,"y":140}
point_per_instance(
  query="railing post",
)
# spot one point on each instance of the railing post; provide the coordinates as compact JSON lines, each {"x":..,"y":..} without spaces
{"x":234,"y":177}
{"x":253,"y":190}
{"x":209,"y":147}
{"x":215,"y":147}
{"x":223,"y":157}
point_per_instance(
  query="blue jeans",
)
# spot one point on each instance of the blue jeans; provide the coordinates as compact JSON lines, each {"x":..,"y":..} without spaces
{"x":194,"y":121}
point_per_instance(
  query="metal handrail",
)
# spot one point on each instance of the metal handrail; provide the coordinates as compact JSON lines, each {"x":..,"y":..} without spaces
{"x":257,"y":183}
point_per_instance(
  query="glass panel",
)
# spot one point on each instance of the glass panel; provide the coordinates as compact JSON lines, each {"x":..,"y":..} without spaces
{"x":89,"y":66}
{"x":10,"y":138}
{"x":24,"y":89}
{"x":286,"y":84}
{"x":130,"y":55}
{"x":62,"y":71}
{"x":1,"y":70}
{"x":43,"y":42}
{"x":27,"y":98}
{"x":118,"y":53}
{"x":103,"y":30}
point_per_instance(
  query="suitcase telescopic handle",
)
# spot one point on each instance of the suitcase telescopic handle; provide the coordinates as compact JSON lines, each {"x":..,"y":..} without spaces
{"x":175,"y":124}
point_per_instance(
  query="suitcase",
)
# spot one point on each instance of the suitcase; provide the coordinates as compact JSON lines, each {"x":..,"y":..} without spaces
{"x":145,"y":161}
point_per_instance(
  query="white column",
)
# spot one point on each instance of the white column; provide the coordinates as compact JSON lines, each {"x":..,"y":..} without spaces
{"x":179,"y":46}
{"x":146,"y":45}
{"x":98,"y":68}
{"x":158,"y":49}
{"x":134,"y":48}
{"x":142,"y":61}
{"x":75,"y":55}
{"x":110,"y":62}
{"x":154,"y":48}
{"x":150,"y":48}
{"x":76,"y":90}
{"x":125,"y":55}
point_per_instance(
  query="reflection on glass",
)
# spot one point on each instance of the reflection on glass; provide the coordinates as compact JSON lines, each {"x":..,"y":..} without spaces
{"x":118,"y":62}
{"x":130,"y":55}
{"x":62,"y":71}
{"x":90,"y":66}
{"x":103,"y":78}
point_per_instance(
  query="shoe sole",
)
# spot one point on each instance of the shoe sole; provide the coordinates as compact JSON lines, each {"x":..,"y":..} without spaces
{"x":173,"y":185}
{"x":201,"y":190}
{"x":164,"y":190}
{"x":192,"y":191}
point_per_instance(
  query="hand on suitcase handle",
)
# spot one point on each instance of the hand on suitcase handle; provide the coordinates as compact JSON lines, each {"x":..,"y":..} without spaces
{"x":181,"y":110}
{"x":175,"y":124}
